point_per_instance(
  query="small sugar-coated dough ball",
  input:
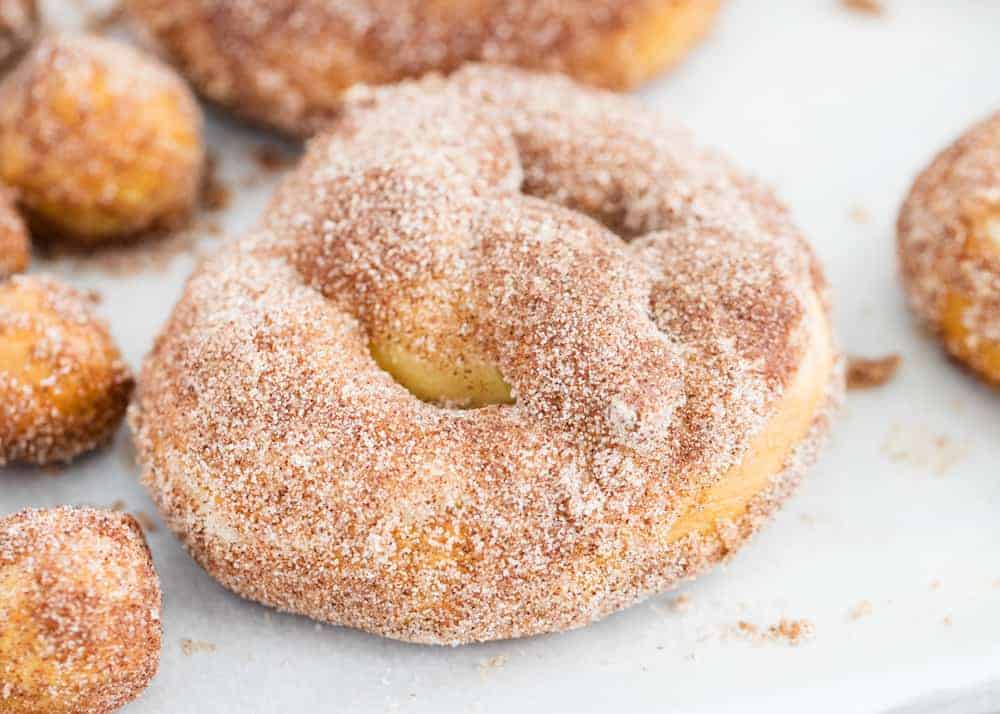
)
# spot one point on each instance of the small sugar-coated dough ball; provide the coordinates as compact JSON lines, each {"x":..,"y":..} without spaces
{"x":63,"y":385}
{"x":80,"y":603}
{"x":101,"y":141}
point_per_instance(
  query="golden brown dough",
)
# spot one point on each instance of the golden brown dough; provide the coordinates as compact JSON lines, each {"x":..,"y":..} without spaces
{"x":100,"y":141}
{"x":949,"y":247}
{"x":79,"y":612}
{"x":63,"y":385}
{"x":287,"y":62}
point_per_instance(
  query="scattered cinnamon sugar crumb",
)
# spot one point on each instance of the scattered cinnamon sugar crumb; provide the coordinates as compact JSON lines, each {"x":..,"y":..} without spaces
{"x":862,"y":609}
{"x":215,"y":195}
{"x":868,"y":373}
{"x":118,"y":505}
{"x":146,"y":521}
{"x":747,"y":628}
{"x":190,"y":647}
{"x":947,"y":621}
{"x":787,"y":631}
{"x":492,"y":664}
{"x":859,"y":214}
{"x":152,"y":254}
{"x":922,"y":448}
{"x":868,"y":7}
{"x":271,"y":158}
{"x":791,"y":631}
{"x":681,"y":603}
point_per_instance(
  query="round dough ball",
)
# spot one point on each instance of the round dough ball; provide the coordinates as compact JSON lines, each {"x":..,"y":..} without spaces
{"x":101,"y":141}
{"x":80,"y":607}
{"x":63,"y":385}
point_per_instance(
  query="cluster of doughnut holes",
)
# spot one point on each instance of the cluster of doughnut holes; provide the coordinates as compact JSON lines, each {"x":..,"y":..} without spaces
{"x":80,"y":601}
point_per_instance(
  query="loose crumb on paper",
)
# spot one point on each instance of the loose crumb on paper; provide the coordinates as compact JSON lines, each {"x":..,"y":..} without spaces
{"x":859,"y":214}
{"x":919,"y":447}
{"x":871,"y":372}
{"x":272,"y":159}
{"x":146,"y":521}
{"x":862,"y":609}
{"x":492,"y":664}
{"x":215,"y":194}
{"x":787,"y":631}
{"x":867,"y":7}
{"x":191,"y":647}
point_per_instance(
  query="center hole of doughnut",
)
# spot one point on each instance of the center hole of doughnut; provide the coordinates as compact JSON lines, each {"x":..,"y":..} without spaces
{"x":442,"y":370}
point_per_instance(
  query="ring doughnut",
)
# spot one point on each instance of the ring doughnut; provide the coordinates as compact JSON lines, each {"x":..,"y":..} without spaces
{"x":286,"y":63}
{"x":507,"y":355}
{"x":15,"y":250}
{"x":100,"y":141}
{"x":80,"y":607}
{"x":63,"y":385}
{"x":949,"y":247}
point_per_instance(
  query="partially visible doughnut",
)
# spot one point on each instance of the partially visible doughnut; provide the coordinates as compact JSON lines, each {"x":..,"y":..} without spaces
{"x":287,"y":62}
{"x":63,"y":385}
{"x":637,"y":331}
{"x":15,"y":249}
{"x":79,"y":612}
{"x":19,"y":25}
{"x":100,"y":141}
{"x":949,"y":247}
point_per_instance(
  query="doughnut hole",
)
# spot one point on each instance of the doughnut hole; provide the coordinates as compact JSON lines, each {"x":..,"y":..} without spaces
{"x":100,"y":141}
{"x":958,"y":318}
{"x":63,"y":385}
{"x":80,"y":603}
{"x":426,"y":345}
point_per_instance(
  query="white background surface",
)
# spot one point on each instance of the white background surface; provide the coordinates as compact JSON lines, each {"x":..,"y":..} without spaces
{"x":839,"y":111}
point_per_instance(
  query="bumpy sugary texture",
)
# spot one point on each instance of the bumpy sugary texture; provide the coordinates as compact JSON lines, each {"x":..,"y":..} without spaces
{"x":949,"y":247}
{"x":101,"y":141}
{"x":287,"y":62}
{"x":19,"y":25}
{"x":79,"y":612}
{"x":63,"y":385}
{"x":452,"y":216}
{"x":15,"y":249}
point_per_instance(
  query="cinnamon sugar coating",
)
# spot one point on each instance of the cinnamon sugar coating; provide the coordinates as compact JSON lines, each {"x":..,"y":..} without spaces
{"x":287,"y":62}
{"x":19,"y":25}
{"x":79,"y":612}
{"x":15,"y":249}
{"x":63,"y":384}
{"x":645,"y":351}
{"x":100,"y":141}
{"x":949,"y":247}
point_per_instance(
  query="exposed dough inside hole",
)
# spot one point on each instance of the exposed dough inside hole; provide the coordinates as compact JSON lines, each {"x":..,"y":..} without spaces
{"x":465,"y":383}
{"x":425,"y":345}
